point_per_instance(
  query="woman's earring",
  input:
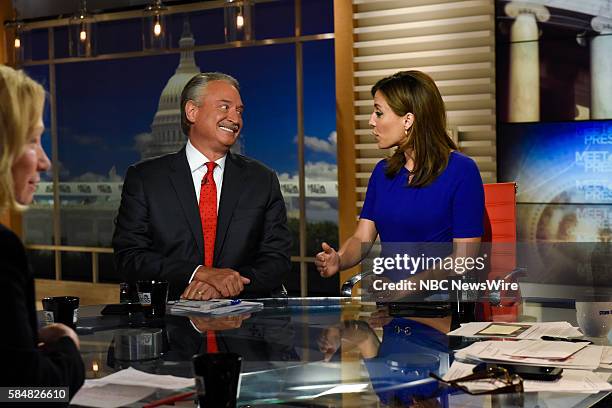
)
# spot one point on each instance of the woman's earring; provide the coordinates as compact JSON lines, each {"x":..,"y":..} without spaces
{"x":406,"y":132}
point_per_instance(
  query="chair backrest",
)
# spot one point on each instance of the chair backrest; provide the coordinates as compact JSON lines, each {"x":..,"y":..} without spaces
{"x":500,"y":232}
{"x":500,"y":212}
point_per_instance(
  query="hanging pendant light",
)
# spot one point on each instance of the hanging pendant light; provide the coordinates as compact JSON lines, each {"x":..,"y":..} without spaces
{"x":238,"y":17}
{"x":154,"y":26}
{"x":82,"y":32}
{"x":17,"y":44}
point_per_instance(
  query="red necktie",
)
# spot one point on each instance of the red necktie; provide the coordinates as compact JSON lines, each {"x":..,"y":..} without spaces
{"x":208,"y":213}
{"x":208,"y":216}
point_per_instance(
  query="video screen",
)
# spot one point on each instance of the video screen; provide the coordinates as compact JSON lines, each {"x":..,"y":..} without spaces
{"x":564,"y":176}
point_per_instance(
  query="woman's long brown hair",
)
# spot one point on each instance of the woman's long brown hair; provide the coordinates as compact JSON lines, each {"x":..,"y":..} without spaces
{"x":415,"y":92}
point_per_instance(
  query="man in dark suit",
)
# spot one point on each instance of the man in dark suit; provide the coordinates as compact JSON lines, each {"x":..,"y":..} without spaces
{"x":210,"y":222}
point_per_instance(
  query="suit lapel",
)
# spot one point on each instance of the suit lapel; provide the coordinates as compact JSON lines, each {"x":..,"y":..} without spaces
{"x":181,"y":179}
{"x":234,"y":177}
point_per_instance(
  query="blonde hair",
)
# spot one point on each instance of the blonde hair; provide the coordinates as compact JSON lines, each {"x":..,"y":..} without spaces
{"x":21,"y":105}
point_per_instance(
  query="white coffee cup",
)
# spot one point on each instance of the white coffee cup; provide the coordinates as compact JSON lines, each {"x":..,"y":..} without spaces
{"x":594,"y":318}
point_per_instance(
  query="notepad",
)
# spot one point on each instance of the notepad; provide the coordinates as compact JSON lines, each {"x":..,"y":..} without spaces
{"x":517,"y":330}
{"x":501,"y":329}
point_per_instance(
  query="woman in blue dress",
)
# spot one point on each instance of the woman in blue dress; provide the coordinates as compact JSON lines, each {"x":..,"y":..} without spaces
{"x":426,"y":191}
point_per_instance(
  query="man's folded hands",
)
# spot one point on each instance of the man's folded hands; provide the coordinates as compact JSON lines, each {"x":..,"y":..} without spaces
{"x":213,"y":283}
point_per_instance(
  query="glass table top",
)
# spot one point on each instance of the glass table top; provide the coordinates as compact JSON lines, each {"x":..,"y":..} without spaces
{"x":328,"y":352}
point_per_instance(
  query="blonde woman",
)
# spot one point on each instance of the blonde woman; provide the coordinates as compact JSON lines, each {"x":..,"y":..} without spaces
{"x":31,"y":357}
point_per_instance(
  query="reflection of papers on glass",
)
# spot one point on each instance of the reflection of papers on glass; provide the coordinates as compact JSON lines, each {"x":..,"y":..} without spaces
{"x":344,"y":389}
{"x":131,"y":376}
{"x":503,"y":329}
{"x":577,"y":381}
{"x":587,"y":358}
{"x":531,"y":330}
{"x":109,"y":395}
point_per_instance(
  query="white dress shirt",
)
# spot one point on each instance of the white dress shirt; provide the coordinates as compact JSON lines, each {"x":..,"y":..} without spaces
{"x":197,"y":164}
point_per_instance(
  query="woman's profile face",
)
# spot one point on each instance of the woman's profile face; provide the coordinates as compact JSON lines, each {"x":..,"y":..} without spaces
{"x":28,"y":165}
{"x":387,"y":127}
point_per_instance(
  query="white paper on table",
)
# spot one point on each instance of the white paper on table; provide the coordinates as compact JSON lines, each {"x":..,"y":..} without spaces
{"x":547,"y":349}
{"x":242,"y":307}
{"x":131,"y":376}
{"x":571,"y":381}
{"x":606,"y":357}
{"x":110,"y":395}
{"x":575,"y":381}
{"x":213,"y":307}
{"x":533,"y":331}
{"x":497,"y":351}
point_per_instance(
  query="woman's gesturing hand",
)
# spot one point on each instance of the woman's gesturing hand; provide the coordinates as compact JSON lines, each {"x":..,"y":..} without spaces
{"x":327,"y":261}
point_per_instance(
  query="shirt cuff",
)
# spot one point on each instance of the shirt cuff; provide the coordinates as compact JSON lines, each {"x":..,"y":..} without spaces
{"x":194,"y":327}
{"x":194,"y":272}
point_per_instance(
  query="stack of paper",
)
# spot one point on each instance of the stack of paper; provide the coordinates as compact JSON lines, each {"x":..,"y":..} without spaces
{"x":556,"y":350}
{"x":214,"y":306}
{"x":575,"y":381}
{"x":517,"y":330}
{"x":606,"y":358}
{"x":580,"y":356}
{"x":110,"y":395}
{"x":126,"y":387}
{"x":131,"y":376}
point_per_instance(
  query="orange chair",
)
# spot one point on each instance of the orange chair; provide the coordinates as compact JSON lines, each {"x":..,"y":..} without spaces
{"x":500,"y":232}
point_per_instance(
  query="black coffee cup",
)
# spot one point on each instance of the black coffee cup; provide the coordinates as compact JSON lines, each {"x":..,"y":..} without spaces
{"x":153,"y":296}
{"x":61,"y":309}
{"x":217,"y":377}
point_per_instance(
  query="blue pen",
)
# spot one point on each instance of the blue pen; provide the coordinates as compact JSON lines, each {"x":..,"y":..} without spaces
{"x":223,"y":303}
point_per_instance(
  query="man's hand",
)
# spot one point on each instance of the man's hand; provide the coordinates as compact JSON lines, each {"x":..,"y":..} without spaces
{"x":198,"y":290}
{"x":53,"y":332}
{"x":327,"y":261}
{"x":329,"y":342}
{"x":226,"y":281}
{"x":203,"y":323}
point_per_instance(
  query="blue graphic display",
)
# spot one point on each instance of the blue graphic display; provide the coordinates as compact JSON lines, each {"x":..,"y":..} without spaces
{"x":564,"y":176}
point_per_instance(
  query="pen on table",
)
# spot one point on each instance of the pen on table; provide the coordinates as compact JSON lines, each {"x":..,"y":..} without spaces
{"x":171,"y":399}
{"x":553,"y":338}
{"x":224,"y":303}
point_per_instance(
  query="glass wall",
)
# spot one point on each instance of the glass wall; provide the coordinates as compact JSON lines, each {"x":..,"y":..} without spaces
{"x":105,"y":120}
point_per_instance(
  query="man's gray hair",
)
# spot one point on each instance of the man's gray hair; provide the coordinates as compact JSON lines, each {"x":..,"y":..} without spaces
{"x":194,"y":91}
